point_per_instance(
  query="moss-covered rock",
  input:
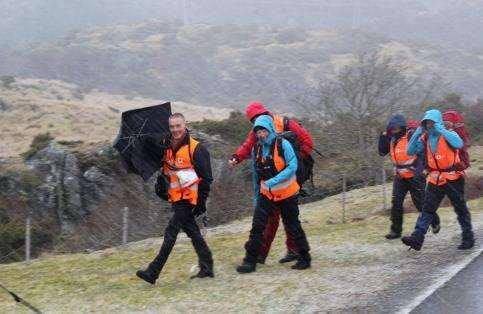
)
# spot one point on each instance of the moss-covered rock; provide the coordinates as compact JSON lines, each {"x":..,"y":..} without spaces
{"x":39,"y":142}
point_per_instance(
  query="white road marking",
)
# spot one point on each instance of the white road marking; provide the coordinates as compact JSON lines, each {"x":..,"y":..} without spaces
{"x":450,"y":273}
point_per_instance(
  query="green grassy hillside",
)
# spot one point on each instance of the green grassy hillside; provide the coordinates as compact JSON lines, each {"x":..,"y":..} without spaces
{"x":347,"y":259}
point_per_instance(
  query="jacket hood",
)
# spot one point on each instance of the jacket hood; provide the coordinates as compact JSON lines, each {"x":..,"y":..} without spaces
{"x":397,"y":120}
{"x":254,"y":109}
{"x":265,"y":121}
{"x":433,"y":115}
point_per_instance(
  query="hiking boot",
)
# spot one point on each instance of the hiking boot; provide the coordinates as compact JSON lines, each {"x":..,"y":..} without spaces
{"x":203,"y":273}
{"x":261,"y":259}
{"x":246,"y":267}
{"x":392,"y":235}
{"x":436,"y":224}
{"x":290,"y":257}
{"x":303,"y":262}
{"x":147,"y":275}
{"x":466,"y":244}
{"x":436,"y":228}
{"x":413,"y":241}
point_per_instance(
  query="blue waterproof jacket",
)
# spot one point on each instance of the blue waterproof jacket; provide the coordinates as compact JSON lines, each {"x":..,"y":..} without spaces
{"x":289,"y":156}
{"x":416,"y":146}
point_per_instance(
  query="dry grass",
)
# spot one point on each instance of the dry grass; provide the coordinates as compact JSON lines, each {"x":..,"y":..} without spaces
{"x":39,"y":106}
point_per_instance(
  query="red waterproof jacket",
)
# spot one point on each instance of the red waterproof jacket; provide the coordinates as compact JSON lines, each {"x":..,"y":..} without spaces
{"x":255,"y":109}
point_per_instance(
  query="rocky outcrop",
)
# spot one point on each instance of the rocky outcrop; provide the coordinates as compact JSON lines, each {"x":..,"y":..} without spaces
{"x":66,"y":188}
{"x":84,"y":192}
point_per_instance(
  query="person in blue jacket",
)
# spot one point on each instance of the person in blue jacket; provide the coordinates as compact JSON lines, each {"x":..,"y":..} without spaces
{"x":444,"y":179}
{"x":275,"y":186}
{"x":408,"y":172}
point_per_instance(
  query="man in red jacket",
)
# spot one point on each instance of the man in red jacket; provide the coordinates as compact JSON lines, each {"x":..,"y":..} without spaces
{"x":243,"y":152}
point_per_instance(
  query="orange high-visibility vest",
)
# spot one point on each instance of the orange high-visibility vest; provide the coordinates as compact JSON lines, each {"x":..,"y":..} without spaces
{"x":183,"y":180}
{"x":284,"y":189}
{"x":442,"y":163}
{"x":403,"y":163}
{"x":278,"y":123}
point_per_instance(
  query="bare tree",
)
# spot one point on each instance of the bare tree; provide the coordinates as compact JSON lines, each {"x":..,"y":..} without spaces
{"x":352,"y":107}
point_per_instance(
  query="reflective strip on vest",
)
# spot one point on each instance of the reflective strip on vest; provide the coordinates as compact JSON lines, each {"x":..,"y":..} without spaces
{"x":404,"y":173}
{"x":181,"y":162}
{"x":400,"y":157}
{"x":284,"y":189}
{"x":441,"y":163}
{"x":177,"y":185}
{"x":282,"y":185}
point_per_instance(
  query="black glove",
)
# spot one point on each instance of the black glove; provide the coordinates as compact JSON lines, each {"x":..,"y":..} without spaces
{"x":200,"y":207}
{"x":161,"y":187}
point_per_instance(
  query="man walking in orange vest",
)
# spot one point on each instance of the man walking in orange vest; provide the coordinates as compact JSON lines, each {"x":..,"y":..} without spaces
{"x":187,"y":172}
{"x":441,"y":148}
{"x":407,"y":173}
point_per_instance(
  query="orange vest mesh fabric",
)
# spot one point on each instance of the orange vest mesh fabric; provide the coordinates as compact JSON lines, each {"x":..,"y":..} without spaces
{"x":283,"y":189}
{"x":401,"y":160}
{"x":182,"y":160}
{"x":442,"y":163}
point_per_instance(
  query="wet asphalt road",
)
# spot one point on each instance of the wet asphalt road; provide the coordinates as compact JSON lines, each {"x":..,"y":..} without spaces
{"x":462,"y":294}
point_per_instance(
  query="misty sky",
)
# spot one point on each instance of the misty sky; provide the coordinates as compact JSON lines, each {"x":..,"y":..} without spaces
{"x":440,"y":22}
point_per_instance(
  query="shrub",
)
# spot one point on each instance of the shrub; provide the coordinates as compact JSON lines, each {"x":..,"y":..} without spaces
{"x":12,"y":239}
{"x":29,"y":180}
{"x":233,"y":130}
{"x":70,"y":143}
{"x":3,"y":216}
{"x":39,"y":142}
{"x":474,"y":116}
{"x":105,"y":162}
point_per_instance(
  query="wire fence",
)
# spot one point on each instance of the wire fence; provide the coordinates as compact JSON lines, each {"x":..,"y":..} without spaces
{"x":119,"y":226}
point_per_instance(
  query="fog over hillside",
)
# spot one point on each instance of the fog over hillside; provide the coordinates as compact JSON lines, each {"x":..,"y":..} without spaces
{"x":205,"y":53}
{"x":452,"y":23}
{"x":224,"y":65}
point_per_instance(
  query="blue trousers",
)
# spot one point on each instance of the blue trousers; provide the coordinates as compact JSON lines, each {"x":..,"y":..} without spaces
{"x":455,"y":190}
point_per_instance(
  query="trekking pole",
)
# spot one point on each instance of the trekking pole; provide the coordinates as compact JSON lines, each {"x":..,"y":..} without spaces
{"x":318,"y":153}
{"x":20,"y":300}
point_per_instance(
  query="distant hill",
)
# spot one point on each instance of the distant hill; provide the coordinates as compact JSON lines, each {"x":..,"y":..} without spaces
{"x":449,"y":23}
{"x":225,"y":66}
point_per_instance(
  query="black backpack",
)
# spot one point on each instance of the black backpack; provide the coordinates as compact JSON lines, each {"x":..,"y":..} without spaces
{"x":305,"y":167}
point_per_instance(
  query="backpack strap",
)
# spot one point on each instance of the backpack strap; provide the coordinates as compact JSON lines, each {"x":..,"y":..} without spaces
{"x":257,"y":149}
{"x":286,"y":121}
{"x":278,"y":141}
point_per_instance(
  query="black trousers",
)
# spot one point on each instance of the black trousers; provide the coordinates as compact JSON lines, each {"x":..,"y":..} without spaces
{"x":184,"y":219}
{"x":400,"y":187}
{"x":289,"y":211}
{"x":455,"y":190}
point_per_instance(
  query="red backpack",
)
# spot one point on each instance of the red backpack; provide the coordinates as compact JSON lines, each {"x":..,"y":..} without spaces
{"x":458,"y":125}
{"x":411,"y":126}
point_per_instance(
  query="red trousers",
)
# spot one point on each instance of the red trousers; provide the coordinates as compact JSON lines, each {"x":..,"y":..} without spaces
{"x":269,"y":235}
